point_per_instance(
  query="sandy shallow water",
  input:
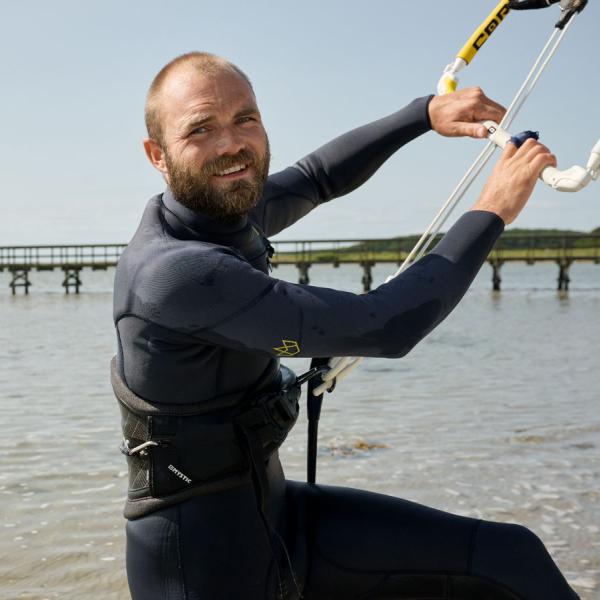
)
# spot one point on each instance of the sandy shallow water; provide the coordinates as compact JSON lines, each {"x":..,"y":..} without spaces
{"x":495,"y":415}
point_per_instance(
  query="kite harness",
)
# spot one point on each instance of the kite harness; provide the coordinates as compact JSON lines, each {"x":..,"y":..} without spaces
{"x":206,"y":450}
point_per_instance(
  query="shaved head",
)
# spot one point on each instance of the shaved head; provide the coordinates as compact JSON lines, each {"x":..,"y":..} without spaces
{"x":198,"y":62}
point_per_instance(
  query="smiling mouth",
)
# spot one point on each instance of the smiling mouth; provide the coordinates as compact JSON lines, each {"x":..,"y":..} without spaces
{"x":236,"y":170}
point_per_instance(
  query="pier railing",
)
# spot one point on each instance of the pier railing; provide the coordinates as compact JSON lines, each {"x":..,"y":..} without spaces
{"x":563,"y":249}
{"x":100,"y":256}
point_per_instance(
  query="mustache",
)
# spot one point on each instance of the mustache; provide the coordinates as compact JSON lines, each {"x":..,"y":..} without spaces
{"x":245,"y":156}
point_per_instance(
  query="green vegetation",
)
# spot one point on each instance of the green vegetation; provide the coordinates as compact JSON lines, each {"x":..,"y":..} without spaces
{"x":514,"y":244}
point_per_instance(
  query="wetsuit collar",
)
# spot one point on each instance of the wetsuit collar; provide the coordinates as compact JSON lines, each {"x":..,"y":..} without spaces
{"x":241,"y":234}
{"x":200,"y":222}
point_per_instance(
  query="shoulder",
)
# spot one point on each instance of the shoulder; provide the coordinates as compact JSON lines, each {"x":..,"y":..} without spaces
{"x":186,"y":285}
{"x":180,"y":263}
{"x":155,"y":252}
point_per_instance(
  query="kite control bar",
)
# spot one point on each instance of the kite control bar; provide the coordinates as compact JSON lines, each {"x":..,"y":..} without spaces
{"x":572,"y":179}
{"x":569,"y":180}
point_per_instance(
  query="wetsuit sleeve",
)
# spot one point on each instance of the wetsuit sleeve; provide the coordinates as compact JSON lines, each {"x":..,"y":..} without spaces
{"x":338,"y":167}
{"x":252,"y":312}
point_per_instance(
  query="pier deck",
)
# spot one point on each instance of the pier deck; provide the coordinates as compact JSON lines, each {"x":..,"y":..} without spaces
{"x":563,"y":250}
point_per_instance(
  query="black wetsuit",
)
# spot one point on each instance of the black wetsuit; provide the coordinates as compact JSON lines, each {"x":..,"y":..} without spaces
{"x":199,"y":319}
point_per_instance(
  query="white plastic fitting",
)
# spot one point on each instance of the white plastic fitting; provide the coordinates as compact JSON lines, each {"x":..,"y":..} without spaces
{"x":568,"y":180}
{"x":449,"y":81}
{"x":593,"y":165}
{"x":496,"y":134}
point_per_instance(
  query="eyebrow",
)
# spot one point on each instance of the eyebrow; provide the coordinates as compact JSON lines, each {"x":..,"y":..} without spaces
{"x":202,"y":119}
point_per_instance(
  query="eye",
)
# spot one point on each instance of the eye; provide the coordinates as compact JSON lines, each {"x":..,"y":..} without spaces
{"x":245,"y":119}
{"x":199,"y":130}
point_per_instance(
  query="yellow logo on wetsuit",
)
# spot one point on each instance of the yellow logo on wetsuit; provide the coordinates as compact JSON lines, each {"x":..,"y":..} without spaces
{"x":289,"y":348}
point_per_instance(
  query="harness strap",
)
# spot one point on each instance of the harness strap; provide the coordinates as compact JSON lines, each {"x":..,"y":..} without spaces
{"x":251,"y":443}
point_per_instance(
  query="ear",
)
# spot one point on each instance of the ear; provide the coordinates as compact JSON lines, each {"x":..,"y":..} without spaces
{"x":156,"y":156}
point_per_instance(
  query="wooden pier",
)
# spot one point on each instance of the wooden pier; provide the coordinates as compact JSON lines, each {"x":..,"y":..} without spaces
{"x":563,"y":250}
{"x":20,"y":261}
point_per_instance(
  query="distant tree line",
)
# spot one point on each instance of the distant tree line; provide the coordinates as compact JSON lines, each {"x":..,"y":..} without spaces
{"x":549,"y":238}
{"x":517,"y":238}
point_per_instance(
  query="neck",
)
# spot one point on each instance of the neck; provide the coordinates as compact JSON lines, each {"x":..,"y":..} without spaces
{"x":201,"y":222}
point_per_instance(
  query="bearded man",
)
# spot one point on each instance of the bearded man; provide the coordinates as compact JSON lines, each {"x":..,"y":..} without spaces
{"x":205,"y":404}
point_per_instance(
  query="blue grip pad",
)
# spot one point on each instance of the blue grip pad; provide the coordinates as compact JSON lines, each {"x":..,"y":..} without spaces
{"x":519,"y":139}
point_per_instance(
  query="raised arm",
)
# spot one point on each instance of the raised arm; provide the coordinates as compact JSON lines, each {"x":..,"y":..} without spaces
{"x":236,"y":306}
{"x":338,"y":167}
{"x":345,"y":163}
{"x":220,"y":299}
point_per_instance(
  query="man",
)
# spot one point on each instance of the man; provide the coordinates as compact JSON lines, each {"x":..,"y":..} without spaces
{"x":205,"y":404}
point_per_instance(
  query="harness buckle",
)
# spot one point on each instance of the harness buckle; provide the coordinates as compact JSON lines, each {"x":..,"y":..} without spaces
{"x":283,"y":408}
{"x":141,"y":448}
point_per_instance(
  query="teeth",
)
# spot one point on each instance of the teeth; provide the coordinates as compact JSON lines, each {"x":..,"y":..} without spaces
{"x":232,"y":170}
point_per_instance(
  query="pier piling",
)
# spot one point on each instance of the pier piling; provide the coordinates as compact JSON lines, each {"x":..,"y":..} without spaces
{"x":563,"y":275}
{"x":303,"y":273}
{"x":496,"y":279}
{"x":19,"y":279}
{"x":367,"y":278}
{"x":71,"y":279}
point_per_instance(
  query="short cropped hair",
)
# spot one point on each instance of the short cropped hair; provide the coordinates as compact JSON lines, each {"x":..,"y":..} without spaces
{"x":203,"y":62}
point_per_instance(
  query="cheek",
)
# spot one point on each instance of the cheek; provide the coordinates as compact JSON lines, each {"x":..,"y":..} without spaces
{"x":258,"y":142}
{"x":193,"y":156}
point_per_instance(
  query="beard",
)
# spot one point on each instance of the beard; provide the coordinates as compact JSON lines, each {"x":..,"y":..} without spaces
{"x":195,"y":190}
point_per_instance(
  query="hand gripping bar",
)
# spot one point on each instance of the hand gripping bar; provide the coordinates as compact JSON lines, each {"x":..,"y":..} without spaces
{"x":570,"y":180}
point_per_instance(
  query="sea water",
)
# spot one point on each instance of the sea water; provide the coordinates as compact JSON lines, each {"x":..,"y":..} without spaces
{"x":495,"y":415}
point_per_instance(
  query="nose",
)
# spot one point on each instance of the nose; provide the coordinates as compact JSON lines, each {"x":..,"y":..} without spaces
{"x":229,"y":142}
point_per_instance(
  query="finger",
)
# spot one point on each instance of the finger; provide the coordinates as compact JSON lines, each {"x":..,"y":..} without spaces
{"x":533,"y":149}
{"x":529,"y":147}
{"x":541,"y":148}
{"x":486,"y":108}
{"x":491,"y":112}
{"x":541,"y":161}
{"x":493,"y":104}
{"x":509,"y":151}
{"x":496,"y":106}
{"x":474,"y":130}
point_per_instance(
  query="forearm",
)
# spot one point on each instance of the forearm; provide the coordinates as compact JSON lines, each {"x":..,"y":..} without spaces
{"x":338,"y":167}
{"x":348,"y":161}
{"x":440,"y":280}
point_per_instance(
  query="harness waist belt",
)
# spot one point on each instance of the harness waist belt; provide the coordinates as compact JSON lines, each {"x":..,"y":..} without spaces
{"x":174,"y":453}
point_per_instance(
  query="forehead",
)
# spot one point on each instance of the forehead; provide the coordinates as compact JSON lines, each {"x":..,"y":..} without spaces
{"x":189,"y":93}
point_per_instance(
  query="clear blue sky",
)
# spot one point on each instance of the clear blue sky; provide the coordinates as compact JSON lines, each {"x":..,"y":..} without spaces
{"x":74,"y":75}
